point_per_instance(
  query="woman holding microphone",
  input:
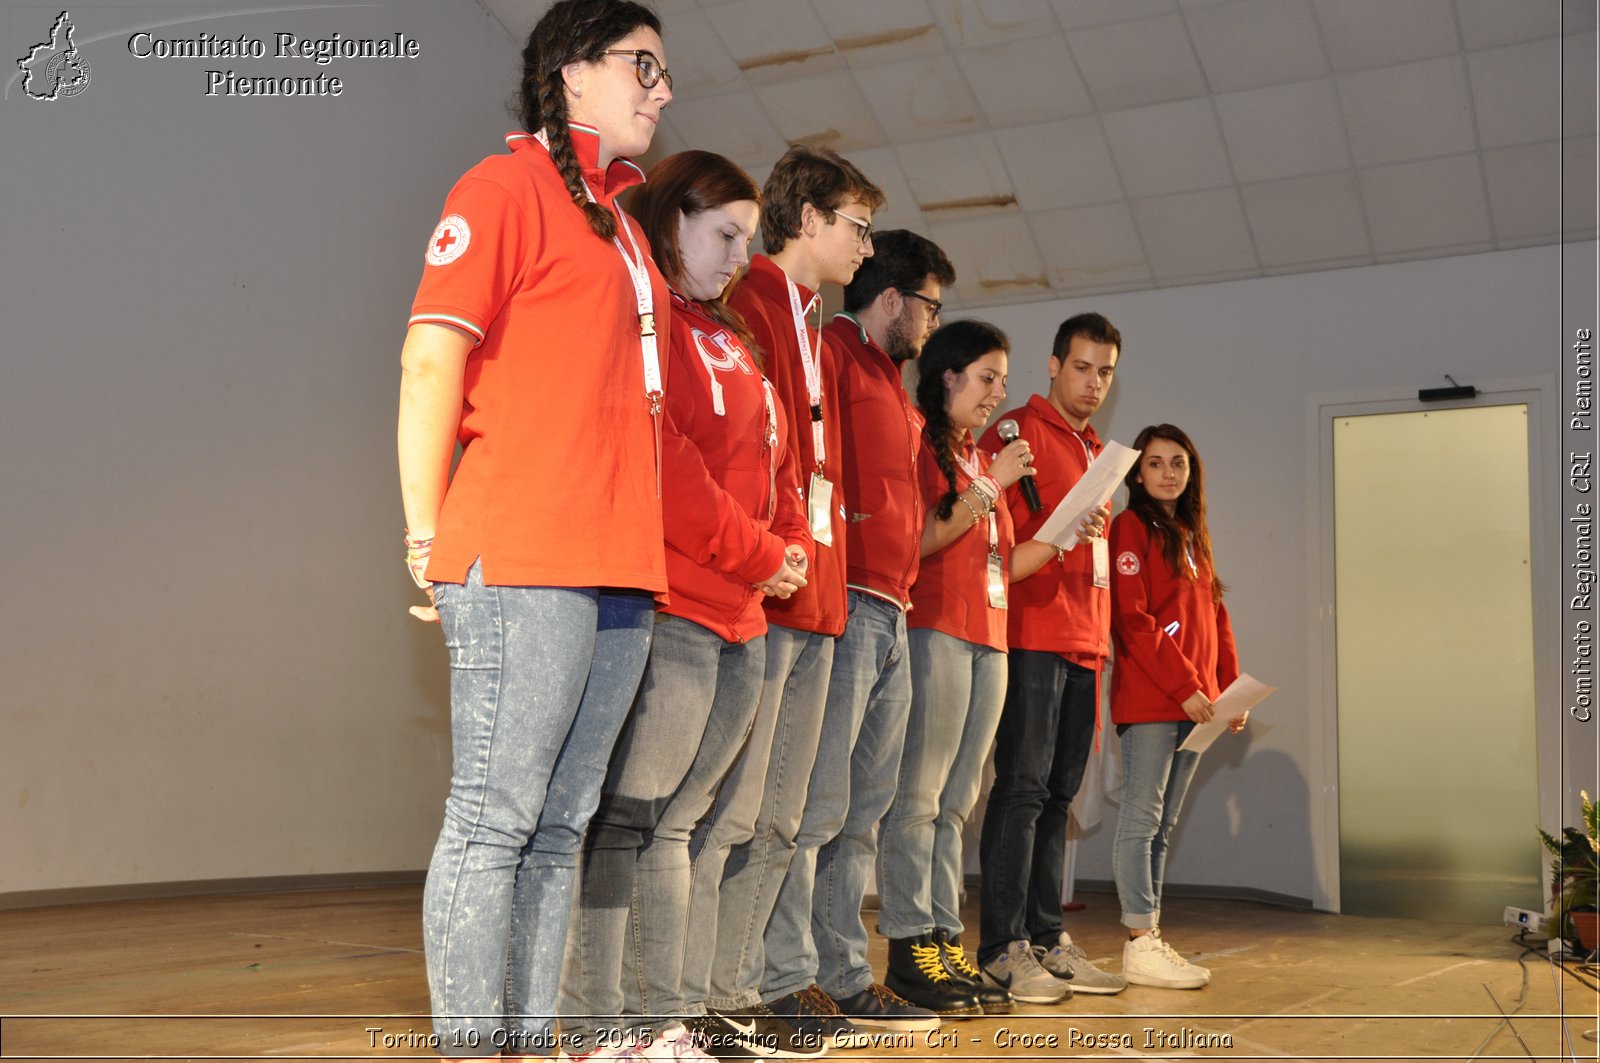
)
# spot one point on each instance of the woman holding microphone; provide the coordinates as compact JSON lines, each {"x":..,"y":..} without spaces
{"x":532,"y":344}
{"x":957,"y":645}
{"x":1175,"y":654}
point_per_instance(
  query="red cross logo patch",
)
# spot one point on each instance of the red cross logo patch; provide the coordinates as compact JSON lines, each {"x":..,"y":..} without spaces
{"x":1128,"y":563}
{"x":449,"y":240}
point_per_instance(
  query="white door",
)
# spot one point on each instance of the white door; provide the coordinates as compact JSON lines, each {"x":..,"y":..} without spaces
{"x":1438,"y":779}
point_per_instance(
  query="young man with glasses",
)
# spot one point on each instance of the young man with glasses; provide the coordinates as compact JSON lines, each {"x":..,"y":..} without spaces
{"x":816,"y":210}
{"x":891,"y":305}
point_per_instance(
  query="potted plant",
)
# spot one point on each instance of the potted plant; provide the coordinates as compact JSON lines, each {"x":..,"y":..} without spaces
{"x":1575,"y":877}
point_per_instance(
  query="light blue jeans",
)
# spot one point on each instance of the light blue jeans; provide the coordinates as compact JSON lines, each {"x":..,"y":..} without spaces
{"x":540,"y":681}
{"x":1155,"y":778}
{"x":743,"y":848}
{"x":625,"y":957}
{"x":957,"y":688}
{"x":816,"y":933}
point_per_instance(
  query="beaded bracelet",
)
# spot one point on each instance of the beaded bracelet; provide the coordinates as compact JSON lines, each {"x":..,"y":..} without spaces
{"x":976,"y":516}
{"x":417,"y":553}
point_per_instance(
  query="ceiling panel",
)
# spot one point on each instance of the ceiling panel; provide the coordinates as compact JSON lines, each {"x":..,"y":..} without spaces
{"x":1127,"y":64}
{"x":1426,"y":206}
{"x":1284,"y":131}
{"x":1082,"y":146}
{"x":1171,"y":147}
{"x":1025,"y":81}
{"x":1363,"y":34}
{"x":1251,"y":43}
{"x":1408,"y":112}
{"x":1059,"y":164}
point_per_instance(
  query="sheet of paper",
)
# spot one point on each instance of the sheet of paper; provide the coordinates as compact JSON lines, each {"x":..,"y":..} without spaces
{"x":1242,"y":695}
{"x":1091,"y":492}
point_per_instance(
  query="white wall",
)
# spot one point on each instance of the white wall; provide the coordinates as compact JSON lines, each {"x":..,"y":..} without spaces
{"x":1236,"y":365}
{"x":208,"y":671}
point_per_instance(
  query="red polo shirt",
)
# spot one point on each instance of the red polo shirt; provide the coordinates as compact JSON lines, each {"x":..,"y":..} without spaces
{"x":1058,"y":609}
{"x":763,"y":298}
{"x":556,"y":432}
{"x":882,"y":433}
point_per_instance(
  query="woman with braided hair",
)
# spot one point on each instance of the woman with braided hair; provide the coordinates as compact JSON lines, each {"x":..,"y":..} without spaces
{"x":532,"y":344}
{"x":957,"y":641}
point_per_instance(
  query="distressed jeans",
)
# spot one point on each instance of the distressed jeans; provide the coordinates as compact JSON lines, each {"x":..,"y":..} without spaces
{"x":957,"y":689}
{"x":540,"y":681}
{"x":693,"y":714}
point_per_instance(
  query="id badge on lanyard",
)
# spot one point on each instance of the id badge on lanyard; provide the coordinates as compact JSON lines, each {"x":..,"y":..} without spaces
{"x":819,"y":494}
{"x":996,"y":580}
{"x":1102,"y":547}
{"x":819,"y":509}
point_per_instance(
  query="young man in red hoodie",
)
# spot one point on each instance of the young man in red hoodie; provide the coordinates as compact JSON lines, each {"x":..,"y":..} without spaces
{"x":1059,"y":634}
{"x":816,"y":934}
{"x":816,"y":208}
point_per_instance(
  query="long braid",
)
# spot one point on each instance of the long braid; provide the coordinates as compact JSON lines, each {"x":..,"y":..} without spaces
{"x":572,"y":31}
{"x":553,"y":118}
{"x":936,"y":419}
{"x":944,"y":454}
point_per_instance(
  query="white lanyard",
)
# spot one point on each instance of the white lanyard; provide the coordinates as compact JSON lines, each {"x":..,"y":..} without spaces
{"x":639,"y":274}
{"x":813,"y":369}
{"x":972,"y":470}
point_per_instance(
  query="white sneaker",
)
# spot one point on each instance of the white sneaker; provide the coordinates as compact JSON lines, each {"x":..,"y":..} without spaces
{"x":1149,"y":960}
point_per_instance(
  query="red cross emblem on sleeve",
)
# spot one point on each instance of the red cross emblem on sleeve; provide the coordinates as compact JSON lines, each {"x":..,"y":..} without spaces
{"x":449,"y":240}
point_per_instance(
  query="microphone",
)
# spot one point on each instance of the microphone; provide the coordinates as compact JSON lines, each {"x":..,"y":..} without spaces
{"x":1010,"y":433}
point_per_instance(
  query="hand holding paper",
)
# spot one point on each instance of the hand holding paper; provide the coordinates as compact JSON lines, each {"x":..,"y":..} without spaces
{"x":1242,"y":695}
{"x":1094,"y":490}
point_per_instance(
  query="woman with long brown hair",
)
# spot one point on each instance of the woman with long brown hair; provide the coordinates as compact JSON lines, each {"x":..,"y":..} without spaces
{"x":1175,"y":654}
{"x":735,"y":532}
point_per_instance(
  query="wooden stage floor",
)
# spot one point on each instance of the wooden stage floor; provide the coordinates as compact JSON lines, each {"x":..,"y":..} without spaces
{"x":338,"y":974}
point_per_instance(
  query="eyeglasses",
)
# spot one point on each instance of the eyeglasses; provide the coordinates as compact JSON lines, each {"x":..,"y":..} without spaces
{"x":647,"y":66}
{"x":864,"y":226}
{"x":934,"y":305}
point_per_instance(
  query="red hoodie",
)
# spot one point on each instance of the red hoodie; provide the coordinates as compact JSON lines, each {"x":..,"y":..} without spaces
{"x":1173,"y":638}
{"x":763,"y":298}
{"x":1058,"y":609}
{"x":882,"y":436}
{"x":729,"y":500}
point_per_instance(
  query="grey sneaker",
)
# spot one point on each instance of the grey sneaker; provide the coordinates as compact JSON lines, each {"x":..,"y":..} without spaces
{"x":1017,"y":970}
{"x":1066,"y":960}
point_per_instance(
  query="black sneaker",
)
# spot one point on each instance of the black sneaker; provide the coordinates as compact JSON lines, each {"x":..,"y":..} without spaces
{"x":918,"y":973}
{"x":816,"y":1019}
{"x":993,"y":999}
{"x":878,"y":1007}
{"x":767,"y":1036}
